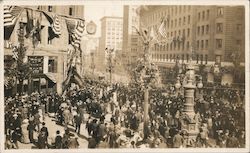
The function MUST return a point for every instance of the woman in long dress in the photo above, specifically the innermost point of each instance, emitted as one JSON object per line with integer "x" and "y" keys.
{"x": 25, "y": 132}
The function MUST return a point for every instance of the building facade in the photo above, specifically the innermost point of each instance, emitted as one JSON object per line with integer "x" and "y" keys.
{"x": 49, "y": 58}
{"x": 111, "y": 36}
{"x": 210, "y": 33}
{"x": 130, "y": 48}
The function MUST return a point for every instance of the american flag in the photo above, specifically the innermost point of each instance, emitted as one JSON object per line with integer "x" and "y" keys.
{"x": 77, "y": 34}
{"x": 162, "y": 29}
{"x": 56, "y": 25}
{"x": 10, "y": 14}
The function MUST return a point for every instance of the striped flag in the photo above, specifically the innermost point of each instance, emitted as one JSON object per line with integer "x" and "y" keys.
{"x": 154, "y": 36}
{"x": 77, "y": 34}
{"x": 10, "y": 14}
{"x": 162, "y": 28}
{"x": 56, "y": 27}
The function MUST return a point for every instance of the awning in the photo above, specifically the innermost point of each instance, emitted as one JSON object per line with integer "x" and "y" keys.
{"x": 51, "y": 76}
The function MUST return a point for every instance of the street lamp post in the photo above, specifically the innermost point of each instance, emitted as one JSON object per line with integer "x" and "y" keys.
{"x": 92, "y": 66}
{"x": 110, "y": 62}
{"x": 187, "y": 119}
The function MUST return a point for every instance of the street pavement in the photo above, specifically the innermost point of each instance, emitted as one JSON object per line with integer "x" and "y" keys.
{"x": 82, "y": 138}
{"x": 53, "y": 127}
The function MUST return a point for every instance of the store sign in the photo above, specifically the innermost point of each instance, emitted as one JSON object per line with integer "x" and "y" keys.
{"x": 36, "y": 64}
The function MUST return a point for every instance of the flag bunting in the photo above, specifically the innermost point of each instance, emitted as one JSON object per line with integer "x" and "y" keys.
{"x": 11, "y": 14}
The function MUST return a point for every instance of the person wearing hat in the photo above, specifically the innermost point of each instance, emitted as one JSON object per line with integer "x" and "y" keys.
{"x": 15, "y": 122}
{"x": 92, "y": 142}
{"x": 42, "y": 140}
{"x": 37, "y": 120}
{"x": 78, "y": 122}
{"x": 73, "y": 143}
{"x": 45, "y": 130}
{"x": 15, "y": 136}
{"x": 31, "y": 128}
{"x": 178, "y": 140}
{"x": 58, "y": 140}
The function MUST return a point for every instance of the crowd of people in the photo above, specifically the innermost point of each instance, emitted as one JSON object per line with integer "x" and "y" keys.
{"x": 219, "y": 118}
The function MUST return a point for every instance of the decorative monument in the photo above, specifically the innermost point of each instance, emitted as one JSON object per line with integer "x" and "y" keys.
{"x": 188, "y": 122}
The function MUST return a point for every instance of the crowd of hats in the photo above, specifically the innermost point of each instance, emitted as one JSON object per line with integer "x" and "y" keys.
{"x": 219, "y": 115}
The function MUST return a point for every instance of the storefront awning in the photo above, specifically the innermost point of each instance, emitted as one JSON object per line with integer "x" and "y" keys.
{"x": 51, "y": 76}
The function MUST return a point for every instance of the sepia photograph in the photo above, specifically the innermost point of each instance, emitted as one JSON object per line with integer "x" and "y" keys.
{"x": 102, "y": 76}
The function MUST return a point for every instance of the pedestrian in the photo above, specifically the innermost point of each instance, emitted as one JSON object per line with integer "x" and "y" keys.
{"x": 78, "y": 122}
{"x": 92, "y": 142}
{"x": 31, "y": 128}
{"x": 42, "y": 140}
{"x": 89, "y": 125}
{"x": 65, "y": 139}
{"x": 37, "y": 121}
{"x": 73, "y": 143}
{"x": 45, "y": 130}
{"x": 58, "y": 140}
{"x": 178, "y": 140}
{"x": 14, "y": 139}
{"x": 102, "y": 130}
{"x": 25, "y": 131}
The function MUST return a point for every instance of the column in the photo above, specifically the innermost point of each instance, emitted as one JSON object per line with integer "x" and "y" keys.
{"x": 59, "y": 76}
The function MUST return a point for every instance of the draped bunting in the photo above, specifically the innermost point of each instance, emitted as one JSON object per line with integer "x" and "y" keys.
{"x": 55, "y": 24}
{"x": 75, "y": 27}
{"x": 11, "y": 14}
{"x": 56, "y": 27}
{"x": 77, "y": 35}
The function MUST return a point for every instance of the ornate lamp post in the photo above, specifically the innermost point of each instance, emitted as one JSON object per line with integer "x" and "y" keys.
{"x": 189, "y": 84}
{"x": 147, "y": 74}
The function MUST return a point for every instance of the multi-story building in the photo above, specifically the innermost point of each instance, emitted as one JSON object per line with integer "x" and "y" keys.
{"x": 111, "y": 36}
{"x": 130, "y": 47}
{"x": 49, "y": 57}
{"x": 212, "y": 33}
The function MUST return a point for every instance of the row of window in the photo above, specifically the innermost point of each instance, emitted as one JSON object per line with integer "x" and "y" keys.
{"x": 114, "y": 38}
{"x": 172, "y": 46}
{"x": 201, "y": 29}
{"x": 51, "y": 9}
{"x": 114, "y": 30}
{"x": 202, "y": 44}
{"x": 203, "y": 15}
{"x": 182, "y": 57}
{"x": 114, "y": 23}
{"x": 183, "y": 32}
{"x": 174, "y": 10}
{"x": 179, "y": 22}
{"x": 37, "y": 63}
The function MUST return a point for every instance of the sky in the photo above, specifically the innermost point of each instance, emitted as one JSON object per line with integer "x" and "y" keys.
{"x": 96, "y": 12}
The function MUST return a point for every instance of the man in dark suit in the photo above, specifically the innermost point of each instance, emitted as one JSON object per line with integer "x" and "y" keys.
{"x": 78, "y": 122}
{"x": 92, "y": 143}
{"x": 45, "y": 130}
{"x": 58, "y": 140}
{"x": 42, "y": 140}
